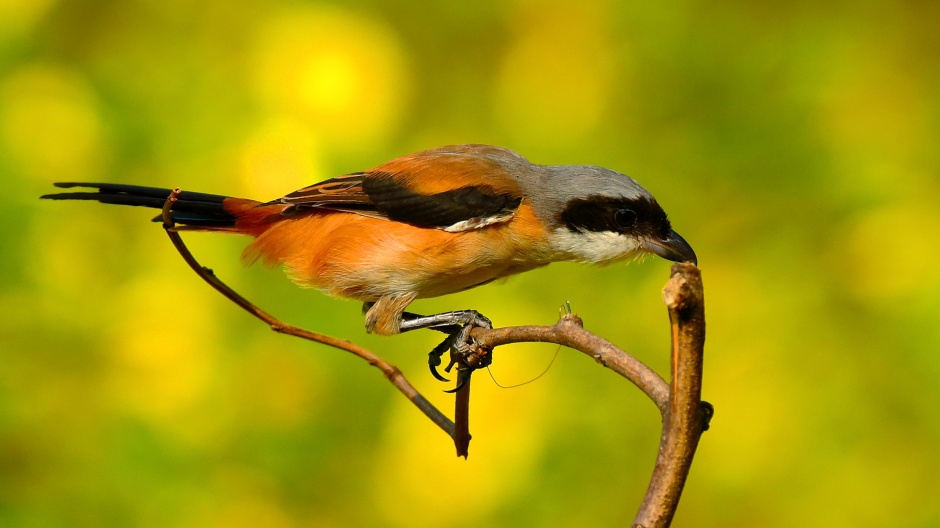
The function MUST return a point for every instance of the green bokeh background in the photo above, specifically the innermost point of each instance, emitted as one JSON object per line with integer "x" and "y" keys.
{"x": 794, "y": 144}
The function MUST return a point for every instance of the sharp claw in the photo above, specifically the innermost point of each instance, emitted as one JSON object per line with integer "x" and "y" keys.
{"x": 462, "y": 378}
{"x": 434, "y": 357}
{"x": 436, "y": 374}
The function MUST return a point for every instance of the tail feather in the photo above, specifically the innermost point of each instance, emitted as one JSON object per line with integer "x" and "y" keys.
{"x": 192, "y": 208}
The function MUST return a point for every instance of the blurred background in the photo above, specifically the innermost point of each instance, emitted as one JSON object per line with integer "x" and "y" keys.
{"x": 796, "y": 145}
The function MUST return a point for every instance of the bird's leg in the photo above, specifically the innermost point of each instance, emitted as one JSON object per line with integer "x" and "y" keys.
{"x": 445, "y": 322}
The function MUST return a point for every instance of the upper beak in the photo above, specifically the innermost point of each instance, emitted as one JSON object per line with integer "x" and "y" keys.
{"x": 673, "y": 248}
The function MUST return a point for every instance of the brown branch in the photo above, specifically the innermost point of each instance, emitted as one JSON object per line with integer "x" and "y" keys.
{"x": 391, "y": 372}
{"x": 687, "y": 416}
{"x": 462, "y": 420}
{"x": 569, "y": 331}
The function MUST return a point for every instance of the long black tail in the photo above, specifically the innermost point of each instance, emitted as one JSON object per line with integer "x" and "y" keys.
{"x": 192, "y": 208}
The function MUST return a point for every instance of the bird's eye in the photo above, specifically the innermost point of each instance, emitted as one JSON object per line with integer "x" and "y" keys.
{"x": 625, "y": 218}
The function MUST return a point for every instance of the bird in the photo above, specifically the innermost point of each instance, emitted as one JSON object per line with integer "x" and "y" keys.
{"x": 427, "y": 224}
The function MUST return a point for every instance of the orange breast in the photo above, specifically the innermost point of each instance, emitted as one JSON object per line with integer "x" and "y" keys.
{"x": 365, "y": 258}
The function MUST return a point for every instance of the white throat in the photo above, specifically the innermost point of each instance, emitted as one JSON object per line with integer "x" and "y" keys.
{"x": 591, "y": 246}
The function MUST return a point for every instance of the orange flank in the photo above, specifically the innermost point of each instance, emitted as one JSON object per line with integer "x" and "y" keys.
{"x": 364, "y": 258}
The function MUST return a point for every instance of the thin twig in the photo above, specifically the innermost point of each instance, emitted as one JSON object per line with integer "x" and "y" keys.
{"x": 569, "y": 331}
{"x": 687, "y": 416}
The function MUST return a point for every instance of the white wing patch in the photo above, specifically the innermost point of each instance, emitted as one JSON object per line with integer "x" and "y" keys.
{"x": 478, "y": 222}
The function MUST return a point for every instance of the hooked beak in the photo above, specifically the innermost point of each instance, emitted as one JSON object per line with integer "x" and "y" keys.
{"x": 673, "y": 248}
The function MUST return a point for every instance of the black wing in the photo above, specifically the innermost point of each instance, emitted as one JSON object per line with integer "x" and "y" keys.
{"x": 398, "y": 197}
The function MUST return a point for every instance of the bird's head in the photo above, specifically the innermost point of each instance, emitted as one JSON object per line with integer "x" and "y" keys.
{"x": 599, "y": 215}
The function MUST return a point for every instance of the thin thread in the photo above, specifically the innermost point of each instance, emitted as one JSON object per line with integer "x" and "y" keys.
{"x": 498, "y": 384}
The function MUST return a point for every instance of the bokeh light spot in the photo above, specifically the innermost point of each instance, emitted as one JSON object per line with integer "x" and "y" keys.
{"x": 341, "y": 72}
{"x": 329, "y": 81}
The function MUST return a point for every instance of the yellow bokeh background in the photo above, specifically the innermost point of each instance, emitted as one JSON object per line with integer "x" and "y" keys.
{"x": 795, "y": 145}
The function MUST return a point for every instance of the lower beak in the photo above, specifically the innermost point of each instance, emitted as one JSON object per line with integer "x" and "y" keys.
{"x": 673, "y": 248}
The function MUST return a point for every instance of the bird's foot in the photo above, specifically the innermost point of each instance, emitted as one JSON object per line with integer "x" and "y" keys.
{"x": 465, "y": 353}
